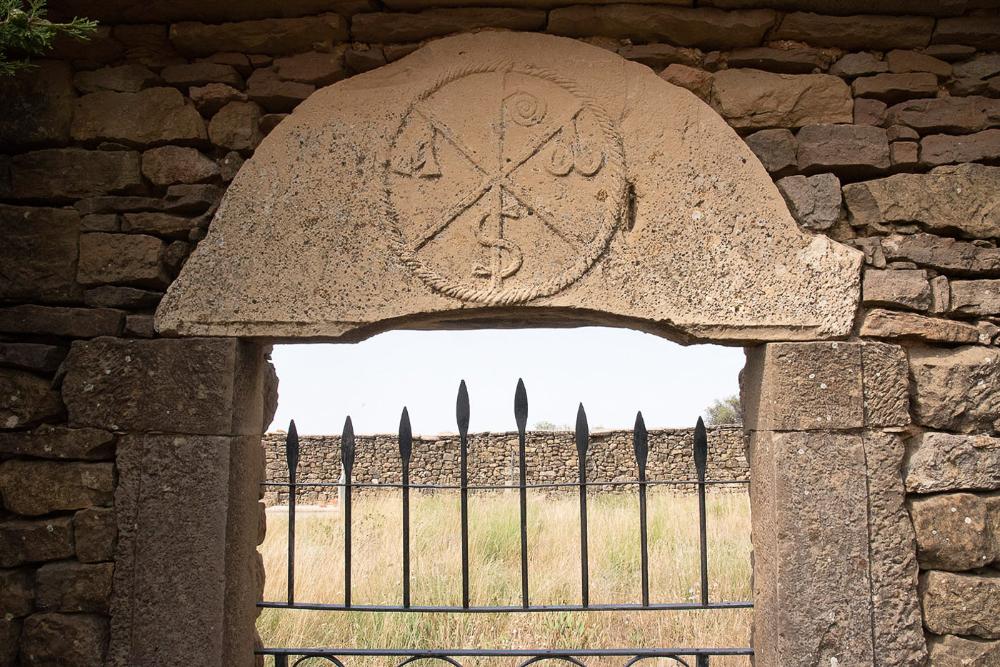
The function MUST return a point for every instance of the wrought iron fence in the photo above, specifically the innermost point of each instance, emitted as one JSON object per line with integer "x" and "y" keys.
{"x": 285, "y": 657}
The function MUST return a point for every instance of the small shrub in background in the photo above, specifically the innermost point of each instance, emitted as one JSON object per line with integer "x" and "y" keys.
{"x": 25, "y": 32}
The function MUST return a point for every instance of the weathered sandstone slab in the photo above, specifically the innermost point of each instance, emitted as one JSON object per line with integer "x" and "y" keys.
{"x": 74, "y": 639}
{"x": 60, "y": 321}
{"x": 942, "y": 253}
{"x": 707, "y": 28}
{"x": 236, "y": 126}
{"x": 982, "y": 32}
{"x": 886, "y": 386}
{"x": 36, "y": 357}
{"x": 273, "y": 36}
{"x": 952, "y": 651}
{"x": 401, "y": 229}
{"x": 35, "y": 541}
{"x": 94, "y": 534}
{"x": 938, "y": 149}
{"x": 130, "y": 78}
{"x": 846, "y": 149}
{"x": 39, "y": 253}
{"x": 963, "y": 198}
{"x": 961, "y": 604}
{"x": 975, "y": 297}
{"x": 856, "y": 32}
{"x": 17, "y": 595}
{"x": 815, "y": 201}
{"x": 125, "y": 259}
{"x": 901, "y": 288}
{"x": 947, "y": 114}
{"x": 775, "y": 148}
{"x": 880, "y": 323}
{"x": 135, "y": 11}
{"x": 26, "y": 399}
{"x": 33, "y": 488}
{"x": 149, "y": 117}
{"x": 402, "y": 27}
{"x": 59, "y": 442}
{"x": 36, "y": 105}
{"x": 950, "y": 462}
{"x": 71, "y": 173}
{"x": 955, "y": 531}
{"x": 956, "y": 389}
{"x": 74, "y": 587}
{"x": 175, "y": 164}
{"x": 752, "y": 99}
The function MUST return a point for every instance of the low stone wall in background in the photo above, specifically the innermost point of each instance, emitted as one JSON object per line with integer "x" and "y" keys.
{"x": 551, "y": 458}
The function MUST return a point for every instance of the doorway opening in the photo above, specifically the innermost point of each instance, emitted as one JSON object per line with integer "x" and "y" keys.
{"x": 618, "y": 564}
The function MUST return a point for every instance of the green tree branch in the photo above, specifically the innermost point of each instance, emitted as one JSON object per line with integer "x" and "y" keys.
{"x": 25, "y": 32}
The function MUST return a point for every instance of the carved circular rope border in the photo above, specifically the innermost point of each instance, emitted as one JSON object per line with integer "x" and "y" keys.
{"x": 616, "y": 163}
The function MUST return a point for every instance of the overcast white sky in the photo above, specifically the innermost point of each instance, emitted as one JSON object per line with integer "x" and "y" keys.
{"x": 614, "y": 372}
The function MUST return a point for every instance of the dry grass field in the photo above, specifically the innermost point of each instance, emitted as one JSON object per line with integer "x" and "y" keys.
{"x": 554, "y": 567}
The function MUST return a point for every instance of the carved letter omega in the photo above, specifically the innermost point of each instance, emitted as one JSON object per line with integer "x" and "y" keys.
{"x": 504, "y": 183}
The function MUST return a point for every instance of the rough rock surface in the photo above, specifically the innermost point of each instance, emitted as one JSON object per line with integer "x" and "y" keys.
{"x": 59, "y": 321}
{"x": 36, "y": 105}
{"x": 947, "y": 114}
{"x": 815, "y": 201}
{"x": 123, "y": 259}
{"x": 942, "y": 253}
{"x": 956, "y": 389}
{"x": 236, "y": 126}
{"x": 270, "y": 36}
{"x": 903, "y": 288}
{"x": 845, "y": 149}
{"x": 70, "y": 173}
{"x": 74, "y": 587}
{"x": 855, "y": 32}
{"x": 35, "y": 541}
{"x": 94, "y": 534}
{"x": 962, "y": 604}
{"x": 955, "y": 531}
{"x": 752, "y": 99}
{"x": 886, "y": 385}
{"x": 975, "y": 297}
{"x": 952, "y": 651}
{"x": 33, "y": 488}
{"x": 175, "y": 164}
{"x": 26, "y": 399}
{"x": 152, "y": 116}
{"x": 437, "y": 269}
{"x": 949, "y": 462}
{"x": 880, "y": 323}
{"x": 80, "y": 640}
{"x": 946, "y": 149}
{"x": 401, "y": 27}
{"x": 58, "y": 442}
{"x": 39, "y": 253}
{"x": 959, "y": 198}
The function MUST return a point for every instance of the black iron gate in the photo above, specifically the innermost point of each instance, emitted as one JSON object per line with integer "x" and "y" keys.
{"x": 295, "y": 656}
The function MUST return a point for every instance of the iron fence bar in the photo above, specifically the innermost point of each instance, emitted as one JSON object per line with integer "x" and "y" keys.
{"x": 500, "y": 609}
{"x": 347, "y": 461}
{"x": 700, "y": 464}
{"x": 292, "y": 460}
{"x": 405, "y": 451}
{"x": 640, "y": 443}
{"x": 510, "y": 487}
{"x": 500, "y": 653}
{"x": 462, "y": 416}
{"x": 582, "y": 442}
{"x": 521, "y": 417}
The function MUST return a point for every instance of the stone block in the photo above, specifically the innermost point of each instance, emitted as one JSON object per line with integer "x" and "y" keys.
{"x": 402, "y": 27}
{"x": 886, "y": 385}
{"x": 151, "y": 116}
{"x": 236, "y": 126}
{"x": 191, "y": 198}
{"x": 58, "y": 321}
{"x": 938, "y": 149}
{"x": 658, "y": 56}
{"x": 949, "y": 462}
{"x": 273, "y": 36}
{"x": 100, "y": 49}
{"x": 904, "y": 153}
{"x": 59, "y": 442}
{"x": 36, "y": 105}
{"x": 275, "y": 94}
{"x": 74, "y": 587}
{"x": 803, "y": 387}
{"x": 129, "y": 78}
{"x": 100, "y": 222}
{"x": 169, "y": 601}
{"x": 947, "y": 199}
{"x": 854, "y": 33}
{"x": 947, "y": 114}
{"x": 751, "y": 99}
{"x": 847, "y": 149}
{"x": 129, "y": 298}
{"x": 952, "y": 651}
{"x": 17, "y": 595}
{"x": 955, "y": 531}
{"x": 139, "y": 326}
{"x": 706, "y": 28}
{"x": 975, "y": 297}
{"x": 815, "y": 201}
{"x": 961, "y": 604}
{"x": 783, "y": 61}
{"x": 35, "y": 541}
{"x": 801, "y": 527}
{"x": 897, "y": 628}
{"x": 212, "y": 97}
{"x": 892, "y": 88}
{"x": 160, "y": 224}
{"x": 80, "y": 640}
{"x": 128, "y": 259}
{"x": 698, "y": 81}
{"x": 35, "y": 357}
{"x": 359, "y": 59}
{"x": 200, "y": 74}
{"x": 180, "y": 386}
{"x": 943, "y": 254}
{"x": 72, "y": 173}
{"x": 175, "y": 164}
{"x": 39, "y": 253}
{"x": 982, "y": 32}
{"x": 10, "y": 639}
{"x": 26, "y": 399}
{"x": 196, "y": 10}
{"x": 869, "y": 112}
{"x": 900, "y": 288}
{"x": 95, "y": 532}
{"x": 147, "y": 44}
{"x": 956, "y": 389}
{"x": 314, "y": 68}
{"x": 901, "y": 62}
{"x": 853, "y": 65}
{"x": 774, "y": 148}
{"x": 880, "y": 323}
{"x": 940, "y": 294}
{"x": 39, "y": 487}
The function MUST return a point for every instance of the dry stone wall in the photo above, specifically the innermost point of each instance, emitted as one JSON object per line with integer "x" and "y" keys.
{"x": 551, "y": 458}
{"x": 880, "y": 122}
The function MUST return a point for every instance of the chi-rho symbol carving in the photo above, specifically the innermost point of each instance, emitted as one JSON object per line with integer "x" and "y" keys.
{"x": 504, "y": 183}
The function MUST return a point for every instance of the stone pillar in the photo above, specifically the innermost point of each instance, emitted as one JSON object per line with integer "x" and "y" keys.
{"x": 835, "y": 572}
{"x": 189, "y": 464}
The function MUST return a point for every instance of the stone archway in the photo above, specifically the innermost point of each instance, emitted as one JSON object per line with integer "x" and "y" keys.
{"x": 517, "y": 179}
